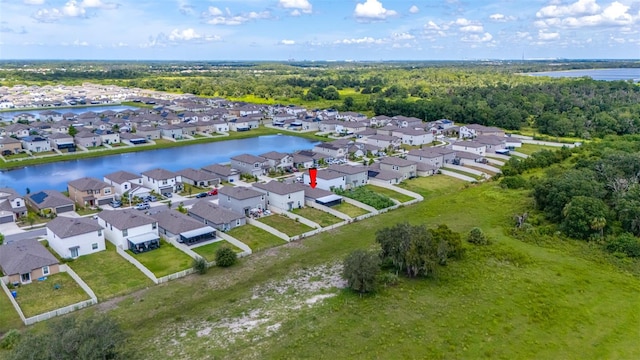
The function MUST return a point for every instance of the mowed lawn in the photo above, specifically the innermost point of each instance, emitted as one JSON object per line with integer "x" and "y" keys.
{"x": 9, "y": 318}
{"x": 318, "y": 216}
{"x": 42, "y": 296}
{"x": 285, "y": 224}
{"x": 255, "y": 238}
{"x": 349, "y": 210}
{"x": 389, "y": 193}
{"x": 209, "y": 251}
{"x": 165, "y": 260}
{"x": 109, "y": 274}
{"x": 531, "y": 148}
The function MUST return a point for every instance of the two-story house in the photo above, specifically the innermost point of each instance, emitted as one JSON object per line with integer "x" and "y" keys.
{"x": 88, "y": 191}
{"x": 87, "y": 139}
{"x": 130, "y": 229}
{"x": 405, "y": 167}
{"x": 282, "y": 196}
{"x": 124, "y": 181}
{"x": 354, "y": 175}
{"x": 36, "y": 144}
{"x": 218, "y": 217}
{"x": 73, "y": 237}
{"x": 242, "y": 200}
{"x": 62, "y": 142}
{"x": 161, "y": 181}
{"x": 327, "y": 179}
{"x": 12, "y": 206}
{"x": 249, "y": 164}
{"x": 331, "y": 151}
{"x": 9, "y": 146}
{"x": 427, "y": 156}
{"x": 224, "y": 173}
{"x": 278, "y": 160}
{"x": 470, "y": 146}
{"x": 411, "y": 136}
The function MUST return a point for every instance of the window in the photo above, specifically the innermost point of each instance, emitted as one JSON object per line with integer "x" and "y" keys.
{"x": 126, "y": 186}
{"x": 94, "y": 246}
{"x": 26, "y": 277}
{"x": 45, "y": 270}
{"x": 89, "y": 192}
{"x": 154, "y": 225}
{"x": 125, "y": 232}
{"x": 107, "y": 191}
{"x": 238, "y": 222}
{"x": 164, "y": 182}
{"x": 74, "y": 252}
{"x": 18, "y": 203}
{"x": 100, "y": 232}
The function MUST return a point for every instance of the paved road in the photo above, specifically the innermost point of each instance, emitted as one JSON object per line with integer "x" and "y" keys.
{"x": 30, "y": 234}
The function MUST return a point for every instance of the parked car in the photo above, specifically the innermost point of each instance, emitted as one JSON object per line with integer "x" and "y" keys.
{"x": 143, "y": 206}
{"x": 150, "y": 198}
{"x": 115, "y": 204}
{"x": 202, "y": 194}
{"x": 167, "y": 195}
{"x": 212, "y": 192}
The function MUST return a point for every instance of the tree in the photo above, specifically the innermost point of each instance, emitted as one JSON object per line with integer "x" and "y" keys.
{"x": 72, "y": 131}
{"x": 199, "y": 265}
{"x": 361, "y": 269}
{"x": 348, "y": 103}
{"x": 581, "y": 213}
{"x": 476, "y": 236}
{"x": 225, "y": 257}
{"x": 31, "y": 218}
{"x": 181, "y": 208}
{"x": 1, "y": 238}
{"x": 96, "y": 337}
{"x": 28, "y": 191}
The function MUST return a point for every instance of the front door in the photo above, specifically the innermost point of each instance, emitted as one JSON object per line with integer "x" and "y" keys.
{"x": 74, "y": 252}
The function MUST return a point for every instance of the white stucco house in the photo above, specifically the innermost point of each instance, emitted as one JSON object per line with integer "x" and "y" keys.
{"x": 282, "y": 196}
{"x": 130, "y": 229}
{"x": 160, "y": 180}
{"x": 74, "y": 237}
{"x": 328, "y": 179}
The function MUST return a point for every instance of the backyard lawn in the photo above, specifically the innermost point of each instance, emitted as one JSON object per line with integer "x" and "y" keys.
{"x": 209, "y": 251}
{"x": 42, "y": 296}
{"x": 9, "y": 318}
{"x": 109, "y": 274}
{"x": 255, "y": 238}
{"x": 349, "y": 210}
{"x": 285, "y": 224}
{"x": 390, "y": 193}
{"x": 318, "y": 216}
{"x": 531, "y": 148}
{"x": 431, "y": 186}
{"x": 165, "y": 260}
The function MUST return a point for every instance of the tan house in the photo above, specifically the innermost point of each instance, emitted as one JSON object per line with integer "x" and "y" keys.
{"x": 9, "y": 145}
{"x": 89, "y": 191}
{"x": 27, "y": 260}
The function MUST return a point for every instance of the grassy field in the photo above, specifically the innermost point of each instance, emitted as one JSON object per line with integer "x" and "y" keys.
{"x": 209, "y": 251}
{"x": 318, "y": 216}
{"x": 349, "y": 210}
{"x": 531, "y": 148}
{"x": 255, "y": 238}
{"x": 9, "y": 318}
{"x": 285, "y": 224}
{"x": 109, "y": 274}
{"x": 389, "y": 193}
{"x": 41, "y": 296}
{"x": 164, "y": 260}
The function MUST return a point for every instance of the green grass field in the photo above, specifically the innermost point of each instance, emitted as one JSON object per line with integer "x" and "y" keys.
{"x": 318, "y": 216}
{"x": 109, "y": 274}
{"x": 9, "y": 318}
{"x": 389, "y": 193}
{"x": 285, "y": 224}
{"x": 531, "y": 148}
{"x": 255, "y": 238}
{"x": 41, "y": 296}
{"x": 165, "y": 260}
{"x": 209, "y": 251}
{"x": 349, "y": 210}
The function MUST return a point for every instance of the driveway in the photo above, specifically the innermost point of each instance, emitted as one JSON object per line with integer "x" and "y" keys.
{"x": 10, "y": 228}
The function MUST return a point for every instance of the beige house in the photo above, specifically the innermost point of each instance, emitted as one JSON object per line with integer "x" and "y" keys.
{"x": 89, "y": 191}
{"x": 27, "y": 260}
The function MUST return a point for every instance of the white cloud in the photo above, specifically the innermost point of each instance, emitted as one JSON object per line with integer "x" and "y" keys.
{"x": 580, "y": 7}
{"x": 185, "y": 7}
{"x": 414, "y": 9}
{"x": 431, "y": 26}
{"x": 98, "y": 4}
{"x": 548, "y": 36}
{"x": 362, "y": 40}
{"x": 462, "y": 22}
{"x": 402, "y": 36}
{"x": 287, "y": 42}
{"x": 372, "y": 10}
{"x": 472, "y": 28}
{"x": 34, "y": 2}
{"x": 501, "y": 17}
{"x": 71, "y": 9}
{"x": 186, "y": 35}
{"x": 477, "y": 38}
{"x": 586, "y": 13}
{"x": 218, "y": 17}
{"x": 177, "y": 36}
{"x": 297, "y": 6}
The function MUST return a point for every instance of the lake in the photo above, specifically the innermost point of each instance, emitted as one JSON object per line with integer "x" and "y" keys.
{"x": 56, "y": 175}
{"x": 8, "y": 115}
{"x": 596, "y": 74}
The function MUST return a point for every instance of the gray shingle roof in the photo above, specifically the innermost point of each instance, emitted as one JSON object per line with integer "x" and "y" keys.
{"x": 274, "y": 155}
{"x": 392, "y": 160}
{"x": 239, "y": 192}
{"x": 88, "y": 183}
{"x": 120, "y": 177}
{"x": 327, "y": 174}
{"x": 276, "y": 187}
{"x": 176, "y": 222}
{"x": 125, "y": 219}
{"x": 219, "y": 169}
{"x": 46, "y": 199}
{"x": 213, "y": 213}
{"x": 348, "y": 169}
{"x": 196, "y": 175}
{"x": 24, "y": 256}
{"x": 248, "y": 158}
{"x": 65, "y": 227}
{"x": 159, "y": 174}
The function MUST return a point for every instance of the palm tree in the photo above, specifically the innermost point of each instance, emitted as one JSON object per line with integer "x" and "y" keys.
{"x": 598, "y": 224}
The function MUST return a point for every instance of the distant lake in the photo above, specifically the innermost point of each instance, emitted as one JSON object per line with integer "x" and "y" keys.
{"x": 595, "y": 74}
{"x": 8, "y": 115}
{"x": 56, "y": 175}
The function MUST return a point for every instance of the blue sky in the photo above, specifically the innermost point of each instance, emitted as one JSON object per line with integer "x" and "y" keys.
{"x": 318, "y": 29}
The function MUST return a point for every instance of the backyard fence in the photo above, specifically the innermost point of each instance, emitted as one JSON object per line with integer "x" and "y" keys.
{"x": 269, "y": 229}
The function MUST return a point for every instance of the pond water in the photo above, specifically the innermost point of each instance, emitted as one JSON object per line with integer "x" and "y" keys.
{"x": 56, "y": 175}
{"x": 596, "y": 74}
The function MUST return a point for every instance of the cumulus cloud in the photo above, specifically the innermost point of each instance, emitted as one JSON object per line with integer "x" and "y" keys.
{"x": 548, "y": 36}
{"x": 216, "y": 16}
{"x": 297, "y": 6}
{"x": 477, "y": 38}
{"x": 585, "y": 13}
{"x": 372, "y": 10}
{"x": 71, "y": 9}
{"x": 580, "y": 7}
{"x": 414, "y": 9}
{"x": 469, "y": 26}
{"x": 185, "y": 7}
{"x": 402, "y": 36}
{"x": 472, "y": 28}
{"x": 287, "y": 42}
{"x": 177, "y": 36}
{"x": 501, "y": 17}
{"x": 362, "y": 40}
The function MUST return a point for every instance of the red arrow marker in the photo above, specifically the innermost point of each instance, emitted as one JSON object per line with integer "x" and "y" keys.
{"x": 313, "y": 172}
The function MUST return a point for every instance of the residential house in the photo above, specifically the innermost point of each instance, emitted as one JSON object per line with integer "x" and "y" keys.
{"x": 470, "y": 146}
{"x": 320, "y": 196}
{"x": 133, "y": 139}
{"x": 148, "y": 132}
{"x": 511, "y": 144}
{"x": 351, "y": 116}
{"x": 242, "y": 200}
{"x": 377, "y": 174}
{"x": 426, "y": 156}
{"x": 354, "y": 175}
{"x": 9, "y": 145}
{"x": 220, "y": 218}
{"x": 405, "y": 167}
{"x": 161, "y": 181}
{"x": 327, "y": 179}
{"x": 176, "y": 225}
{"x": 108, "y": 136}
{"x": 189, "y": 129}
{"x": 379, "y": 120}
{"x": 12, "y": 206}
{"x": 199, "y": 178}
{"x": 282, "y": 196}
{"x": 71, "y": 237}
{"x": 170, "y": 131}
{"x": 224, "y": 173}
{"x": 331, "y": 151}
{"x": 26, "y": 260}
{"x": 124, "y": 181}
{"x": 24, "y": 117}
{"x": 88, "y": 191}
{"x": 493, "y": 143}
{"x": 17, "y": 130}
{"x": 49, "y": 202}
{"x": 36, "y": 144}
{"x": 302, "y": 161}
{"x": 130, "y": 229}
{"x": 464, "y": 157}
{"x": 425, "y": 169}
{"x": 220, "y": 126}
{"x": 62, "y": 142}
{"x": 472, "y": 130}
{"x": 384, "y": 141}
{"x": 87, "y": 139}
{"x": 205, "y": 127}
{"x": 249, "y": 164}
{"x": 328, "y": 125}
{"x": 349, "y": 128}
{"x": 411, "y": 136}
{"x": 278, "y": 160}
{"x": 448, "y": 155}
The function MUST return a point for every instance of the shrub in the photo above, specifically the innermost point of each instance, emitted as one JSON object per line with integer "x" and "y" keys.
{"x": 199, "y": 265}
{"x": 514, "y": 182}
{"x": 625, "y": 243}
{"x": 361, "y": 269}
{"x": 10, "y": 340}
{"x": 226, "y": 257}
{"x": 477, "y": 237}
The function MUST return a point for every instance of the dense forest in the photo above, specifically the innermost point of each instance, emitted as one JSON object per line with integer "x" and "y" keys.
{"x": 488, "y": 93}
